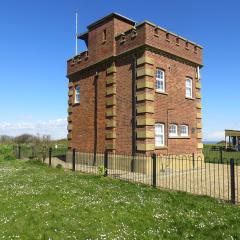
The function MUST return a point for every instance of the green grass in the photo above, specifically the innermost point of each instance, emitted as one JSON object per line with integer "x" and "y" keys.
{"x": 38, "y": 202}
{"x": 215, "y": 157}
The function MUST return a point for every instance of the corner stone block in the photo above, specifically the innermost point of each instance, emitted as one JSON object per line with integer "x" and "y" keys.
{"x": 199, "y": 105}
{"x": 200, "y": 146}
{"x": 145, "y": 109}
{"x": 199, "y": 115}
{"x": 69, "y": 128}
{"x": 145, "y": 96}
{"x": 198, "y": 85}
{"x": 145, "y": 134}
{"x": 199, "y": 125}
{"x": 143, "y": 121}
{"x": 199, "y": 135}
{"x": 145, "y": 60}
{"x": 145, "y": 72}
{"x": 110, "y": 112}
{"x": 198, "y": 95}
{"x": 70, "y": 92}
{"x": 111, "y": 90}
{"x": 110, "y": 123}
{"x": 110, "y": 134}
{"x": 70, "y": 110}
{"x": 145, "y": 147}
{"x": 110, "y": 80}
{"x": 111, "y": 101}
{"x": 111, "y": 70}
{"x": 145, "y": 84}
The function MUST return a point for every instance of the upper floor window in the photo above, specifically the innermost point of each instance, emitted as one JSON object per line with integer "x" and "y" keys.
{"x": 159, "y": 134}
{"x": 184, "y": 130}
{"x": 189, "y": 88}
{"x": 104, "y": 35}
{"x": 77, "y": 94}
{"x": 160, "y": 80}
{"x": 167, "y": 36}
{"x": 173, "y": 130}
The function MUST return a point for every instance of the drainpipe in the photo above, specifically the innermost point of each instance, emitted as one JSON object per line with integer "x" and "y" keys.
{"x": 134, "y": 76}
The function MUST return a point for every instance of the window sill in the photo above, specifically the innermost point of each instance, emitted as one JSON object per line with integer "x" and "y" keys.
{"x": 179, "y": 137}
{"x": 159, "y": 148}
{"x": 160, "y": 92}
{"x": 156, "y": 35}
{"x": 189, "y": 98}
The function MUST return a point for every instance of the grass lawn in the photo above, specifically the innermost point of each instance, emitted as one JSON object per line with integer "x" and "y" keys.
{"x": 38, "y": 202}
{"x": 215, "y": 156}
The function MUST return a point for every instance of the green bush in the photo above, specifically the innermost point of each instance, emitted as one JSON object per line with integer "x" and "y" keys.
{"x": 6, "y": 153}
{"x": 101, "y": 170}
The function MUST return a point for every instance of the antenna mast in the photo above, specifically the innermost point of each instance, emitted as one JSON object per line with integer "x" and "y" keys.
{"x": 76, "y": 50}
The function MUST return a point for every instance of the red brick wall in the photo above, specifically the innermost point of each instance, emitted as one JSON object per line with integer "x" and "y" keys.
{"x": 83, "y": 113}
{"x": 176, "y": 71}
{"x": 184, "y": 110}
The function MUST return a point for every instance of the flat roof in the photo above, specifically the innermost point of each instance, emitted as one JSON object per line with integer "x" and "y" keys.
{"x": 232, "y": 133}
{"x": 111, "y": 15}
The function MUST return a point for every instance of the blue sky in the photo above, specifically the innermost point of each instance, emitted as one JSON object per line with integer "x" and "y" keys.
{"x": 37, "y": 37}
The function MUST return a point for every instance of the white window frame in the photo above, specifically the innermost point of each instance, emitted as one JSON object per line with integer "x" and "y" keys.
{"x": 187, "y": 130}
{"x": 189, "y": 87}
{"x": 173, "y": 130}
{"x": 77, "y": 96}
{"x": 160, "y": 80}
{"x": 159, "y": 135}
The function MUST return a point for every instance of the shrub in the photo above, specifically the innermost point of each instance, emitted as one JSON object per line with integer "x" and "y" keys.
{"x": 101, "y": 170}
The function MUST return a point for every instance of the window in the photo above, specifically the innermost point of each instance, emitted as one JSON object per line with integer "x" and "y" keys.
{"x": 77, "y": 94}
{"x": 160, "y": 80}
{"x": 159, "y": 135}
{"x": 183, "y": 130}
{"x": 189, "y": 88}
{"x": 156, "y": 31}
{"x": 167, "y": 36}
{"x": 173, "y": 130}
{"x": 177, "y": 41}
{"x": 104, "y": 35}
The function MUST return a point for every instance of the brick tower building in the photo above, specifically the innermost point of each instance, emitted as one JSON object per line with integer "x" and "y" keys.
{"x": 135, "y": 89}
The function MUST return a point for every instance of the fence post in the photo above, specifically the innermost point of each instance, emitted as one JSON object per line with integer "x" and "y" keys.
{"x": 50, "y": 156}
{"x": 154, "y": 170}
{"x": 193, "y": 160}
{"x": 73, "y": 159}
{"x": 19, "y": 152}
{"x": 105, "y": 163}
{"x": 221, "y": 155}
{"x": 232, "y": 175}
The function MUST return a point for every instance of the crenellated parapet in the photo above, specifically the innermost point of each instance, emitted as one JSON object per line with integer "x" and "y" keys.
{"x": 151, "y": 35}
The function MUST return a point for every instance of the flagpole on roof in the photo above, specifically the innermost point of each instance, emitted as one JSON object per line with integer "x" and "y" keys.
{"x": 76, "y": 49}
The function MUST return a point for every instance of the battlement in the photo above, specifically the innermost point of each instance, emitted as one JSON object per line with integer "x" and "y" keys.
{"x": 113, "y": 35}
{"x": 149, "y": 34}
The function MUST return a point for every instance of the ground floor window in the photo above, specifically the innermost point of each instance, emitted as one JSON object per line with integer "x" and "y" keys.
{"x": 173, "y": 130}
{"x": 183, "y": 130}
{"x": 159, "y": 134}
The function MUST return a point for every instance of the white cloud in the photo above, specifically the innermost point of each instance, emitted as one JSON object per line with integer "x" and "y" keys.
{"x": 214, "y": 136}
{"x": 57, "y": 128}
